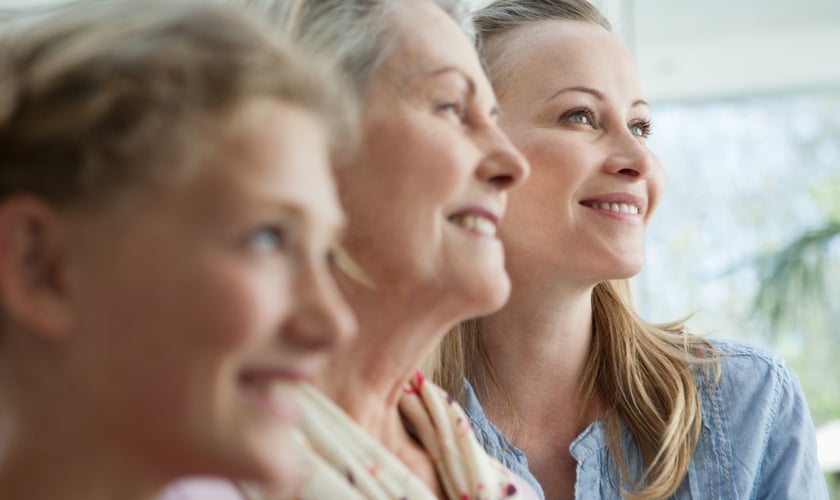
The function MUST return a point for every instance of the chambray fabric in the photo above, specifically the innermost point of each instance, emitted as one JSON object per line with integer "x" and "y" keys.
{"x": 757, "y": 440}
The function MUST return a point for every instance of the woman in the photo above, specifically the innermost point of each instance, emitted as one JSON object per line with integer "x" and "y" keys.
{"x": 605, "y": 404}
{"x": 423, "y": 198}
{"x": 166, "y": 217}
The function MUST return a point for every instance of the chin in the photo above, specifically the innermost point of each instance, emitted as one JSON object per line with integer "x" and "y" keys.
{"x": 261, "y": 455}
{"x": 626, "y": 266}
{"x": 624, "y": 274}
{"x": 490, "y": 294}
{"x": 282, "y": 471}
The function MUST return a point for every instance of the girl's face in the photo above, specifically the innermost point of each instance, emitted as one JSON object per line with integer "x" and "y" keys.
{"x": 203, "y": 308}
{"x": 431, "y": 185}
{"x": 572, "y": 102}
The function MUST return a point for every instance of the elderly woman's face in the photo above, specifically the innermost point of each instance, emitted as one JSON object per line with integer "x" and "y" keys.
{"x": 424, "y": 199}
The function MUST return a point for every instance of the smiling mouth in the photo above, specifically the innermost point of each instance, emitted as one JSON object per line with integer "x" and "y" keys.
{"x": 275, "y": 395}
{"x": 475, "y": 224}
{"x": 621, "y": 208}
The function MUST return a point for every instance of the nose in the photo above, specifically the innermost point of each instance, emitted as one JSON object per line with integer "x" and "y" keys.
{"x": 323, "y": 318}
{"x": 630, "y": 157}
{"x": 503, "y": 166}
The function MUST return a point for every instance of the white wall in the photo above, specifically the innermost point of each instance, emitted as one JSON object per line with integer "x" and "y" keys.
{"x": 720, "y": 48}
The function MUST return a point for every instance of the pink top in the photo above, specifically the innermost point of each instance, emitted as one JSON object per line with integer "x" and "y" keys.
{"x": 202, "y": 488}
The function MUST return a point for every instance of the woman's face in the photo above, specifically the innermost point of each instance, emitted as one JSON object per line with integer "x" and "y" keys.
{"x": 572, "y": 102}
{"x": 425, "y": 197}
{"x": 202, "y": 309}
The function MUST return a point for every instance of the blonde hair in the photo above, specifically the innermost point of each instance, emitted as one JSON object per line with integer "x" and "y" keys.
{"x": 646, "y": 374}
{"x": 97, "y": 97}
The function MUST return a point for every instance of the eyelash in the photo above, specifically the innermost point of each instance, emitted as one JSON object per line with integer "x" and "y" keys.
{"x": 645, "y": 125}
{"x": 279, "y": 242}
{"x": 568, "y": 115}
{"x": 457, "y": 107}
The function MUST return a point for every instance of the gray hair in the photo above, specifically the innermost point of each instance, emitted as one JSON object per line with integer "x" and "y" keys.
{"x": 357, "y": 34}
{"x": 503, "y": 16}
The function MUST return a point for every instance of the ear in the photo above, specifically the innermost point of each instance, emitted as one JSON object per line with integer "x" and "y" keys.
{"x": 31, "y": 289}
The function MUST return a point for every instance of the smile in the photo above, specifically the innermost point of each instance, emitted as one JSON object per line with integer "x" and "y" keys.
{"x": 475, "y": 223}
{"x": 274, "y": 394}
{"x": 622, "y": 208}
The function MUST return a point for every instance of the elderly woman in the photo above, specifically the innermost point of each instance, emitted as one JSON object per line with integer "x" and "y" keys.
{"x": 423, "y": 198}
{"x": 167, "y": 211}
{"x": 605, "y": 404}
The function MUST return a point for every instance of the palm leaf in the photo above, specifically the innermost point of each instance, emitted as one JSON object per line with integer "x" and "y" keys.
{"x": 795, "y": 276}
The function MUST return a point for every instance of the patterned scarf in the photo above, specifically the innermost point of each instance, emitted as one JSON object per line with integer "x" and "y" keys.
{"x": 343, "y": 461}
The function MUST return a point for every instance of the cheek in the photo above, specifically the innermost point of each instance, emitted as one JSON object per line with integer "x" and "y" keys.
{"x": 554, "y": 158}
{"x": 656, "y": 187}
{"x": 235, "y": 310}
{"x": 253, "y": 308}
{"x": 398, "y": 192}
{"x": 420, "y": 154}
{"x": 551, "y": 187}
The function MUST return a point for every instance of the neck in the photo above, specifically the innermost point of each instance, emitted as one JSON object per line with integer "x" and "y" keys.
{"x": 395, "y": 336}
{"x": 540, "y": 341}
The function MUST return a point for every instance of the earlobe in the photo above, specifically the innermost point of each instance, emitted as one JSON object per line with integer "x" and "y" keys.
{"x": 31, "y": 289}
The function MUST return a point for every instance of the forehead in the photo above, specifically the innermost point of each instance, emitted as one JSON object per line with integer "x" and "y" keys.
{"x": 280, "y": 153}
{"x": 569, "y": 53}
{"x": 427, "y": 38}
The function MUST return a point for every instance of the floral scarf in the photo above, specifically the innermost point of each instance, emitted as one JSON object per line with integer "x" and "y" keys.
{"x": 343, "y": 461}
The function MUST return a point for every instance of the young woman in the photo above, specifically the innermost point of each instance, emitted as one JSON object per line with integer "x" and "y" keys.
{"x": 604, "y": 404}
{"x": 166, "y": 214}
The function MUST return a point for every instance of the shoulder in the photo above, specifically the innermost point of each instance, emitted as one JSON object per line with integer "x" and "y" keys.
{"x": 752, "y": 381}
{"x": 743, "y": 352}
{"x": 752, "y": 387}
{"x": 756, "y": 416}
{"x": 750, "y": 370}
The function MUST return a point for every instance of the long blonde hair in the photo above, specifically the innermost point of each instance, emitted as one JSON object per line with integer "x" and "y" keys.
{"x": 645, "y": 374}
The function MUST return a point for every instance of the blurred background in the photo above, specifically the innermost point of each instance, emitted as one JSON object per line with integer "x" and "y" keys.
{"x": 745, "y": 99}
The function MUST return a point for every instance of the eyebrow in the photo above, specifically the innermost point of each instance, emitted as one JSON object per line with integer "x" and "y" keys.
{"x": 589, "y": 90}
{"x": 298, "y": 209}
{"x": 335, "y": 222}
{"x": 471, "y": 87}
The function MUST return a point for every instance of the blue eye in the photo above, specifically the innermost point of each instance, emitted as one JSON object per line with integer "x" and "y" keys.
{"x": 454, "y": 109}
{"x": 269, "y": 239}
{"x": 640, "y": 129}
{"x": 578, "y": 116}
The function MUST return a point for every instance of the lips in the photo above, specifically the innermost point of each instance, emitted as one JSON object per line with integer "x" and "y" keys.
{"x": 273, "y": 390}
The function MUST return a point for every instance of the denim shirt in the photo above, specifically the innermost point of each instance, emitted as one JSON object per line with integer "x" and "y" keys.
{"x": 757, "y": 438}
